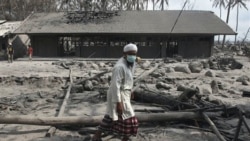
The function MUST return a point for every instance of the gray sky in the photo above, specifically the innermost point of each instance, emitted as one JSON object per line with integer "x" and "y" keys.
{"x": 244, "y": 15}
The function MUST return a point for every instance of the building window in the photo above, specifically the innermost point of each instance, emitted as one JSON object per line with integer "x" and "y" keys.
{"x": 143, "y": 44}
{"x": 91, "y": 43}
{"x": 172, "y": 48}
{"x": 123, "y": 43}
{"x": 86, "y": 43}
{"x": 112, "y": 43}
{"x": 68, "y": 45}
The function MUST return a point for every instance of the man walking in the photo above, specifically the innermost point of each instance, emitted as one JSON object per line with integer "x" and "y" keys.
{"x": 10, "y": 53}
{"x": 120, "y": 117}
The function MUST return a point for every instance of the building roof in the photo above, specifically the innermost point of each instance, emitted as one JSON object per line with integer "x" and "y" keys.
{"x": 8, "y": 27}
{"x": 150, "y": 22}
{"x": 2, "y": 21}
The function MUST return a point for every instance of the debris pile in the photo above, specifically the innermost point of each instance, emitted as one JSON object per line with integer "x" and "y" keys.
{"x": 207, "y": 96}
{"x": 193, "y": 92}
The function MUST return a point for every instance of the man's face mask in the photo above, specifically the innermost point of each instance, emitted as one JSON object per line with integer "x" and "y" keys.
{"x": 131, "y": 58}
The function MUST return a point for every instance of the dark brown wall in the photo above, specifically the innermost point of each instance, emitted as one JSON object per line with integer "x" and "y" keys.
{"x": 153, "y": 51}
{"x": 3, "y": 43}
{"x": 93, "y": 51}
{"x": 45, "y": 46}
{"x": 188, "y": 46}
{"x": 195, "y": 47}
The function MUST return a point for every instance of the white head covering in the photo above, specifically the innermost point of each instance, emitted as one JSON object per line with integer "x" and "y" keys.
{"x": 130, "y": 47}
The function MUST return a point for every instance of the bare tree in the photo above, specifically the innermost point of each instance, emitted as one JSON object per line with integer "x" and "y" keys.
{"x": 221, "y": 4}
{"x": 153, "y": 2}
{"x": 137, "y": 4}
{"x": 229, "y": 6}
{"x": 146, "y": 1}
{"x": 121, "y": 4}
{"x": 163, "y": 2}
{"x": 239, "y": 4}
{"x": 244, "y": 39}
{"x": 6, "y": 7}
{"x": 189, "y": 5}
{"x": 20, "y": 9}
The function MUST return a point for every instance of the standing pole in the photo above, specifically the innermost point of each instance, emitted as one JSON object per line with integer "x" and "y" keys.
{"x": 178, "y": 16}
{"x": 171, "y": 31}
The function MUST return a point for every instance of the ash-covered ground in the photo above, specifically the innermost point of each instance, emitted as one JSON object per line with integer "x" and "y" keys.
{"x": 37, "y": 88}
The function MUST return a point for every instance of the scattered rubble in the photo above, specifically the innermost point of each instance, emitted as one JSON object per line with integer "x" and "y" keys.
{"x": 215, "y": 86}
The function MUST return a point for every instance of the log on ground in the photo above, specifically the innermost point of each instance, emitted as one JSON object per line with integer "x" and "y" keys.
{"x": 154, "y": 96}
{"x": 95, "y": 120}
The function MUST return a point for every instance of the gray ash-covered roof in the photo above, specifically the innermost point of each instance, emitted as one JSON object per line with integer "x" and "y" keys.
{"x": 151, "y": 22}
{"x": 8, "y": 27}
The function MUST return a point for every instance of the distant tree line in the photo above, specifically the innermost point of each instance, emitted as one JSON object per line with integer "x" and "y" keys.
{"x": 229, "y": 5}
{"x": 20, "y": 9}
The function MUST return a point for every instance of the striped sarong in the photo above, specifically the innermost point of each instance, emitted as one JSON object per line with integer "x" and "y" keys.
{"x": 121, "y": 127}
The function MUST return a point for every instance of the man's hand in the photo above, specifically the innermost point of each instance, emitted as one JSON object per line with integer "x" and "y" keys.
{"x": 119, "y": 108}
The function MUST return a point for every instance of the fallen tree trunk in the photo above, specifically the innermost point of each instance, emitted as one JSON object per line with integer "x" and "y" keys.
{"x": 52, "y": 130}
{"x": 95, "y": 120}
{"x": 91, "y": 78}
{"x": 154, "y": 96}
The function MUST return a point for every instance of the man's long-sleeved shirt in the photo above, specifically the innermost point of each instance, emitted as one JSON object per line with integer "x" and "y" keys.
{"x": 120, "y": 90}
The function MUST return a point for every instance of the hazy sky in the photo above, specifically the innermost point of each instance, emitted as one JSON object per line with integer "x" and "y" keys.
{"x": 244, "y": 15}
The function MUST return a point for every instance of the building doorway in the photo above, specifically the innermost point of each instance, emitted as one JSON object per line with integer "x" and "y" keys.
{"x": 172, "y": 48}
